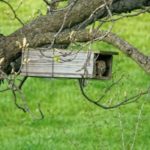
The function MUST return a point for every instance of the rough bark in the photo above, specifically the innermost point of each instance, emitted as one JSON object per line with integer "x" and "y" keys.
{"x": 42, "y": 30}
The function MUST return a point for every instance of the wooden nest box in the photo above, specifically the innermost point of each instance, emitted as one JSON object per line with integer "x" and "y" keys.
{"x": 67, "y": 64}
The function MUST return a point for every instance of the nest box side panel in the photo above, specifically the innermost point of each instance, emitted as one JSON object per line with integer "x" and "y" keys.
{"x": 73, "y": 65}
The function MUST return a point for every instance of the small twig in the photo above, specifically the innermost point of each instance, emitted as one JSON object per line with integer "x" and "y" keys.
{"x": 14, "y": 12}
{"x": 22, "y": 82}
{"x": 20, "y": 3}
{"x": 60, "y": 29}
{"x": 124, "y": 102}
{"x": 83, "y": 24}
{"x": 4, "y": 90}
{"x": 41, "y": 113}
{"x": 122, "y": 131}
{"x": 126, "y": 16}
{"x": 109, "y": 88}
{"x": 47, "y": 2}
{"x": 14, "y": 88}
{"x": 137, "y": 126}
{"x": 15, "y": 101}
{"x": 53, "y": 1}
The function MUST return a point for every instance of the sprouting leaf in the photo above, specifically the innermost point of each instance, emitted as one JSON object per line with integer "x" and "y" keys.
{"x": 1, "y": 60}
{"x": 18, "y": 44}
{"x": 57, "y": 58}
{"x": 72, "y": 34}
{"x": 24, "y": 43}
{"x": 25, "y": 61}
{"x": 91, "y": 30}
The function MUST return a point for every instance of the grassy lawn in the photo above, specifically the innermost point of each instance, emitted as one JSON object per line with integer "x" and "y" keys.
{"x": 72, "y": 123}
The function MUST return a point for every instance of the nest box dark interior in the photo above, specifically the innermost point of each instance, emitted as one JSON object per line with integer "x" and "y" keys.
{"x": 107, "y": 58}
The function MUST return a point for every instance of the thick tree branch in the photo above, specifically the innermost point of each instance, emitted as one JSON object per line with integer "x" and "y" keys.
{"x": 77, "y": 36}
{"x": 43, "y": 30}
{"x": 120, "y": 6}
{"x": 81, "y": 11}
{"x": 142, "y": 60}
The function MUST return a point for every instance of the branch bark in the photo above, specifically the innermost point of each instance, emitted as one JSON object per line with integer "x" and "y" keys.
{"x": 42, "y": 30}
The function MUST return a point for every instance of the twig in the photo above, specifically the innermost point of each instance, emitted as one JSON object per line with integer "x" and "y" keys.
{"x": 15, "y": 101}
{"x": 60, "y": 29}
{"x": 14, "y": 12}
{"x": 137, "y": 126}
{"x": 122, "y": 131}
{"x": 126, "y": 16}
{"x": 83, "y": 24}
{"x": 22, "y": 82}
{"x": 110, "y": 87}
{"x": 41, "y": 113}
{"x": 124, "y": 102}
{"x": 14, "y": 88}
{"x": 4, "y": 90}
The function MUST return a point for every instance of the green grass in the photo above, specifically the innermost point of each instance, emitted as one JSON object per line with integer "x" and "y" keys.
{"x": 71, "y": 122}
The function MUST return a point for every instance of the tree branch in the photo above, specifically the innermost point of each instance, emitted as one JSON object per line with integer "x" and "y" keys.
{"x": 44, "y": 29}
{"x": 123, "y": 102}
{"x": 75, "y": 36}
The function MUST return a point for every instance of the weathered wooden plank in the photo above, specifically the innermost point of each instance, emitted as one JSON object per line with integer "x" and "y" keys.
{"x": 59, "y": 65}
